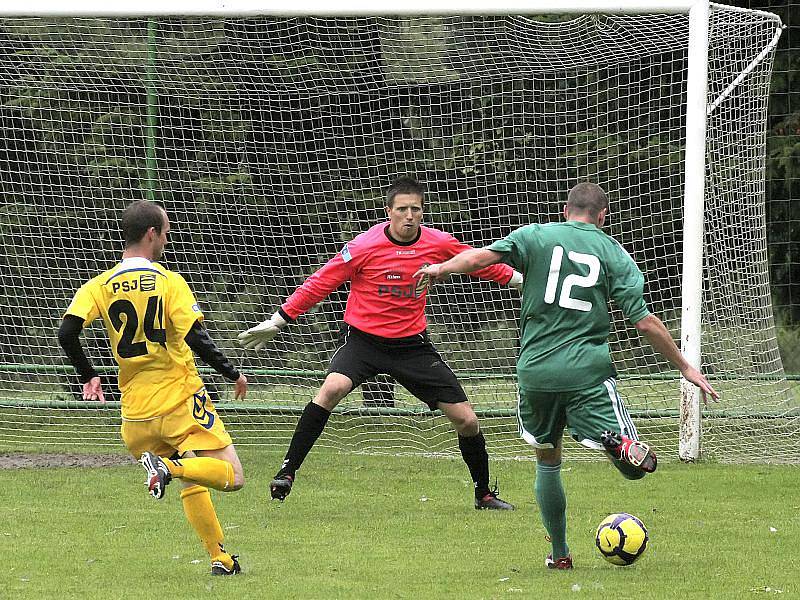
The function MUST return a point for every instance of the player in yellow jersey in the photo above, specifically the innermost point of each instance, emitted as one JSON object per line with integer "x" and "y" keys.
{"x": 168, "y": 420}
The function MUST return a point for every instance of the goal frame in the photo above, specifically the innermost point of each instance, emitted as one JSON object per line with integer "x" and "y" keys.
{"x": 697, "y": 108}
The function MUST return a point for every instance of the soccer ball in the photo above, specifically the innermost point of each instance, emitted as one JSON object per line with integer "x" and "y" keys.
{"x": 621, "y": 539}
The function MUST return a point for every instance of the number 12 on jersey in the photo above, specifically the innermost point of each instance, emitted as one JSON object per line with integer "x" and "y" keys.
{"x": 570, "y": 281}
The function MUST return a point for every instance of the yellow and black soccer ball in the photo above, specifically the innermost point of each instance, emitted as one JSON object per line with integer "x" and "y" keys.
{"x": 621, "y": 539}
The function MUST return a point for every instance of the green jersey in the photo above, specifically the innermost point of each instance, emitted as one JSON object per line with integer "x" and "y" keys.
{"x": 571, "y": 271}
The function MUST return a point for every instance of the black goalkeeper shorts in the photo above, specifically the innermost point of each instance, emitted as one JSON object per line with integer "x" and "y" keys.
{"x": 412, "y": 361}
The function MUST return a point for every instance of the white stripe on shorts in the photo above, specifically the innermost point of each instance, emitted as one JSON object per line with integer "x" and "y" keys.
{"x": 344, "y": 343}
{"x": 626, "y": 426}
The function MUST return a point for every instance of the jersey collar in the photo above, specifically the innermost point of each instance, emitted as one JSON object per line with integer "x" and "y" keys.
{"x": 582, "y": 225}
{"x": 135, "y": 262}
{"x": 398, "y": 242}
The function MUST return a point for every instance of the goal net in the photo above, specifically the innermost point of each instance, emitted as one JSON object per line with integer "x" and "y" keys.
{"x": 271, "y": 142}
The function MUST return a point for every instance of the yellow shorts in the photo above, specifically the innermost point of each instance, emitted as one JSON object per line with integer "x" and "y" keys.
{"x": 193, "y": 425}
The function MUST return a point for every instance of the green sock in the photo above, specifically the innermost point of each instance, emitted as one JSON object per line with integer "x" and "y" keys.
{"x": 552, "y": 506}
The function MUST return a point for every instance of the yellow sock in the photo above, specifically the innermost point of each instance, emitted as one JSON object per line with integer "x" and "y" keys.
{"x": 175, "y": 468}
{"x": 203, "y": 518}
{"x": 202, "y": 470}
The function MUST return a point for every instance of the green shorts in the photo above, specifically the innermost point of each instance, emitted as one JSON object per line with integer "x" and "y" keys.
{"x": 542, "y": 416}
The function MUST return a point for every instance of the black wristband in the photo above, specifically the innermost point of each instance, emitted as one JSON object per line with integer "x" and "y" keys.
{"x": 285, "y": 317}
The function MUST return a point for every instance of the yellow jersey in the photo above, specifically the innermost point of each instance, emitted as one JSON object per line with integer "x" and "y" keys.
{"x": 147, "y": 310}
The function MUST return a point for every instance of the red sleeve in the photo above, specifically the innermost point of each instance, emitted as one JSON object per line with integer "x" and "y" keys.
{"x": 317, "y": 287}
{"x": 500, "y": 272}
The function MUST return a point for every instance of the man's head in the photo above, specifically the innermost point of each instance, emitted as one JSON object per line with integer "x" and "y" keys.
{"x": 587, "y": 202}
{"x": 404, "y": 202}
{"x": 406, "y": 186}
{"x": 144, "y": 227}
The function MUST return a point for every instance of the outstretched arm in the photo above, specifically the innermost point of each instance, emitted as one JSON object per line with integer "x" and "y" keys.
{"x": 313, "y": 290}
{"x": 256, "y": 338}
{"x": 656, "y": 333}
{"x": 69, "y": 339}
{"x": 494, "y": 271}
{"x": 465, "y": 262}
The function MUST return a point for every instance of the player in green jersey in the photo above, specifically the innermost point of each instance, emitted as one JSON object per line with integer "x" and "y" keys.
{"x": 566, "y": 379}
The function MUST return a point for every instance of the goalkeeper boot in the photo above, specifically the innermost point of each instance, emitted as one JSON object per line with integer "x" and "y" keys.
{"x": 633, "y": 452}
{"x": 158, "y": 475}
{"x": 559, "y": 563}
{"x": 489, "y": 500}
{"x": 281, "y": 486}
{"x": 219, "y": 568}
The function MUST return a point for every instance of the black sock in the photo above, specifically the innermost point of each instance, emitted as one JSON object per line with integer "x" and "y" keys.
{"x": 308, "y": 429}
{"x": 473, "y": 451}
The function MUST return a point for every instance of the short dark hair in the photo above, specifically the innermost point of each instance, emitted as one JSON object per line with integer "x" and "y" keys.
{"x": 138, "y": 218}
{"x": 587, "y": 198}
{"x": 404, "y": 185}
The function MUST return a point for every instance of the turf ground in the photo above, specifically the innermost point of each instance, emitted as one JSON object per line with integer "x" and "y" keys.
{"x": 399, "y": 527}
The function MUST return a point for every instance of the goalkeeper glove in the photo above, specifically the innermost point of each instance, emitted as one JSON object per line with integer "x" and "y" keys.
{"x": 516, "y": 281}
{"x": 256, "y": 338}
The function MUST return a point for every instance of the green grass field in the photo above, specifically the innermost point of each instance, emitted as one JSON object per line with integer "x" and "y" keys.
{"x": 387, "y": 527}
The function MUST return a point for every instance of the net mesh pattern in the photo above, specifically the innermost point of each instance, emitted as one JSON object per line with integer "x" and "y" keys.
{"x": 271, "y": 142}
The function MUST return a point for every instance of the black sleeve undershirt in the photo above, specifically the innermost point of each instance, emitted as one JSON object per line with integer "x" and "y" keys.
{"x": 69, "y": 338}
{"x": 201, "y": 344}
{"x": 198, "y": 340}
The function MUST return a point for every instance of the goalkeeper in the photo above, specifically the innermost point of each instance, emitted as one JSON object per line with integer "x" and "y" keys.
{"x": 385, "y": 332}
{"x": 168, "y": 421}
{"x": 564, "y": 368}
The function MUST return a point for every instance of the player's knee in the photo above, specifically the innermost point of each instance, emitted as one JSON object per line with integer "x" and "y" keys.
{"x": 550, "y": 457}
{"x": 467, "y": 425}
{"x": 331, "y": 393}
{"x": 238, "y": 483}
{"x": 326, "y": 401}
{"x": 238, "y": 480}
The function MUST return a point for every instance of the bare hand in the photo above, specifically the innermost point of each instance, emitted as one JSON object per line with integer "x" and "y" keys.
{"x": 92, "y": 390}
{"x": 696, "y": 377}
{"x": 240, "y": 387}
{"x": 432, "y": 271}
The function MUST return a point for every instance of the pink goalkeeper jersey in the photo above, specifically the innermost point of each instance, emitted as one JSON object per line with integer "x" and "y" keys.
{"x": 385, "y": 300}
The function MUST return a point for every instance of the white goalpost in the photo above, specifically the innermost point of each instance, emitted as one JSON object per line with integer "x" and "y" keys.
{"x": 694, "y": 205}
{"x": 348, "y": 8}
{"x": 270, "y": 132}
